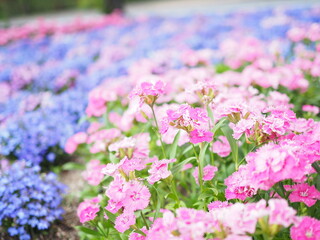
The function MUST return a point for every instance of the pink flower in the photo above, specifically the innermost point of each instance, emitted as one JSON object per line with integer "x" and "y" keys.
{"x": 304, "y": 193}
{"x": 93, "y": 175}
{"x": 88, "y": 209}
{"x": 217, "y": 204}
{"x": 73, "y": 142}
{"x": 280, "y": 213}
{"x": 312, "y": 109}
{"x": 98, "y": 98}
{"x": 296, "y": 34}
{"x": 187, "y": 166}
{"x": 200, "y": 135}
{"x": 137, "y": 196}
{"x": 138, "y": 236}
{"x": 159, "y": 170}
{"x": 307, "y": 229}
{"x": 221, "y": 147}
{"x": 148, "y": 92}
{"x": 185, "y": 118}
{"x": 239, "y": 185}
{"x": 208, "y": 173}
{"x": 124, "y": 221}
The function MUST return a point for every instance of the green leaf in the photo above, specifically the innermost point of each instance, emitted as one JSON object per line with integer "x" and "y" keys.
{"x": 112, "y": 158}
{"x": 210, "y": 114}
{"x": 158, "y": 205}
{"x": 176, "y": 168}
{"x": 189, "y": 148}
{"x": 89, "y": 231}
{"x": 218, "y": 125}
{"x": 73, "y": 166}
{"x": 173, "y": 149}
{"x": 227, "y": 131}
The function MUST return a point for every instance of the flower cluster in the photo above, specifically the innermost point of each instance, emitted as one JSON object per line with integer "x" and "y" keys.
{"x": 28, "y": 200}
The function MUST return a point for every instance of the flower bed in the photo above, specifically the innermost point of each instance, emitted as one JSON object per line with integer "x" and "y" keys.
{"x": 209, "y": 132}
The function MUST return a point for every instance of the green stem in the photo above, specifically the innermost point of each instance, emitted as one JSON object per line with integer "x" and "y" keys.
{"x": 200, "y": 168}
{"x": 144, "y": 220}
{"x": 159, "y": 135}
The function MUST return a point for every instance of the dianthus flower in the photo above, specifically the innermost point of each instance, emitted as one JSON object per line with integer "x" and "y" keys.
{"x": 159, "y": 170}
{"x": 208, "y": 173}
{"x": 200, "y": 135}
{"x": 307, "y": 229}
{"x": 124, "y": 221}
{"x": 221, "y": 147}
{"x": 88, "y": 209}
{"x": 148, "y": 92}
{"x": 93, "y": 174}
{"x": 74, "y": 141}
{"x": 304, "y": 193}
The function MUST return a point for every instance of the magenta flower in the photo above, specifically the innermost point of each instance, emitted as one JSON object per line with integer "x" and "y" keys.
{"x": 307, "y": 229}
{"x": 200, "y": 135}
{"x": 304, "y": 193}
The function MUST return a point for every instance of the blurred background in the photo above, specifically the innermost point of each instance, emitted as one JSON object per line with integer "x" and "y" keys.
{"x": 12, "y": 10}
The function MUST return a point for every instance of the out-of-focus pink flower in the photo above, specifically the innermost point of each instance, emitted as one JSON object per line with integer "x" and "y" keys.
{"x": 217, "y": 204}
{"x": 221, "y": 147}
{"x": 307, "y": 229}
{"x": 73, "y": 142}
{"x": 312, "y": 109}
{"x": 208, "y": 173}
{"x": 93, "y": 174}
{"x": 88, "y": 209}
{"x": 138, "y": 236}
{"x": 296, "y": 34}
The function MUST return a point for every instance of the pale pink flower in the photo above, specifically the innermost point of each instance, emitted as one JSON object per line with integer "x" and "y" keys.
{"x": 304, "y": 193}
{"x": 312, "y": 109}
{"x": 296, "y": 34}
{"x": 217, "y": 204}
{"x": 307, "y": 229}
{"x": 280, "y": 213}
{"x": 124, "y": 221}
{"x": 93, "y": 174}
{"x": 221, "y": 147}
{"x": 159, "y": 170}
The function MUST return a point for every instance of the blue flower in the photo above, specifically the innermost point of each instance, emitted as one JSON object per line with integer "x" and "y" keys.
{"x": 29, "y": 199}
